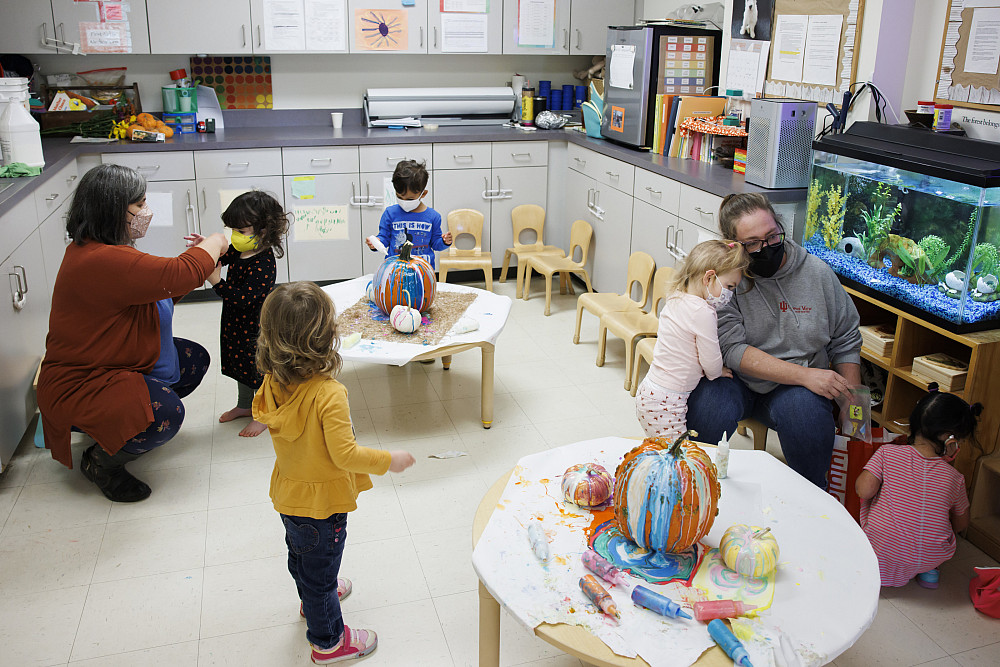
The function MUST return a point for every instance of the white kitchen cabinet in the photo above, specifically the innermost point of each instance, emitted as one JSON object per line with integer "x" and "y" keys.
{"x": 611, "y": 215}
{"x": 24, "y": 321}
{"x": 195, "y": 26}
{"x": 54, "y": 238}
{"x": 215, "y": 194}
{"x": 579, "y": 197}
{"x": 326, "y": 259}
{"x": 412, "y": 40}
{"x": 441, "y": 24}
{"x": 375, "y": 186}
{"x": 589, "y": 21}
{"x": 654, "y": 231}
{"x": 264, "y": 38}
{"x": 68, "y": 14}
{"x": 514, "y": 186}
{"x": 464, "y": 188}
{"x": 28, "y": 28}
{"x": 537, "y": 41}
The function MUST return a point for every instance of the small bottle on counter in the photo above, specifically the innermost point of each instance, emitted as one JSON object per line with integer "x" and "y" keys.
{"x": 722, "y": 457}
{"x": 527, "y": 106}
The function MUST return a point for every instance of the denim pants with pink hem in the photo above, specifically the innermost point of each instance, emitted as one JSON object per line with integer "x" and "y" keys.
{"x": 315, "y": 549}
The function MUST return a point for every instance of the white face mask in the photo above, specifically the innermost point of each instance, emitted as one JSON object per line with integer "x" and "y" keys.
{"x": 139, "y": 223}
{"x": 725, "y": 296}
{"x": 409, "y": 205}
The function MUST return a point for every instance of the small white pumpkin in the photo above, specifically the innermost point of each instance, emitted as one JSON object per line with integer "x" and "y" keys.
{"x": 403, "y": 318}
{"x": 750, "y": 550}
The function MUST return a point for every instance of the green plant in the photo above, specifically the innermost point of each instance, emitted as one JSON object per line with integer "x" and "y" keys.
{"x": 833, "y": 223}
{"x": 813, "y": 200}
{"x": 935, "y": 250}
{"x": 966, "y": 241}
{"x": 984, "y": 259}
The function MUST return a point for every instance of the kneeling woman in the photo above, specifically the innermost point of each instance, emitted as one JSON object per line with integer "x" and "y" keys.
{"x": 112, "y": 367}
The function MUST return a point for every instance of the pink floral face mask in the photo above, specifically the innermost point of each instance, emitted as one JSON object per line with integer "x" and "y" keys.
{"x": 139, "y": 223}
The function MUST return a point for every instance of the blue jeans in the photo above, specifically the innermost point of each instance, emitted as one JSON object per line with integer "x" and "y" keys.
{"x": 803, "y": 420}
{"x": 315, "y": 548}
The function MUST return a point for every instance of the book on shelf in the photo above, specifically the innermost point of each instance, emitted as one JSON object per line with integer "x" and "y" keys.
{"x": 878, "y": 338}
{"x": 949, "y": 373}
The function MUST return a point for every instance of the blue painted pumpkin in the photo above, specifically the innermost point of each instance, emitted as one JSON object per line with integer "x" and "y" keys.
{"x": 402, "y": 275}
{"x": 666, "y": 494}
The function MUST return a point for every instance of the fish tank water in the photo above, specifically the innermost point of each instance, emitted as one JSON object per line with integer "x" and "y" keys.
{"x": 910, "y": 217}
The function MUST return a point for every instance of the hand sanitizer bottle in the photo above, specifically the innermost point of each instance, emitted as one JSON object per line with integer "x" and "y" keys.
{"x": 722, "y": 457}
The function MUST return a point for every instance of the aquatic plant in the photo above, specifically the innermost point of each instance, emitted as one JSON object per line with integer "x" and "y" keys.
{"x": 877, "y": 224}
{"x": 935, "y": 249}
{"x": 813, "y": 200}
{"x": 833, "y": 223}
{"x": 966, "y": 241}
{"x": 913, "y": 257}
{"x": 985, "y": 259}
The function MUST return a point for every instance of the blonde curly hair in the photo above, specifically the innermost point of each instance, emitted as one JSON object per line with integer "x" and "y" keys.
{"x": 298, "y": 334}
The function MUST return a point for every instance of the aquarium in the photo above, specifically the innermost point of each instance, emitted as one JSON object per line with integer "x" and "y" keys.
{"x": 913, "y": 217}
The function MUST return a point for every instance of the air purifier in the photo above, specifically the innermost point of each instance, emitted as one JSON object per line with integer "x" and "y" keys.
{"x": 779, "y": 143}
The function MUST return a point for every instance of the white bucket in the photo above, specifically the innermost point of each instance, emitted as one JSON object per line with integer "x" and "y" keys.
{"x": 15, "y": 88}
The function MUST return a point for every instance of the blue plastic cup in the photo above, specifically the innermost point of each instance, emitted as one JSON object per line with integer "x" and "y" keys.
{"x": 544, "y": 87}
{"x": 556, "y": 100}
{"x": 580, "y": 96}
{"x": 567, "y": 92}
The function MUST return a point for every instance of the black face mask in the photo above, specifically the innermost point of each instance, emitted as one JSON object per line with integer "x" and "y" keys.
{"x": 766, "y": 261}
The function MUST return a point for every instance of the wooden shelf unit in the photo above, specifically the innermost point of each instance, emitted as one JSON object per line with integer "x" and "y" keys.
{"x": 984, "y": 524}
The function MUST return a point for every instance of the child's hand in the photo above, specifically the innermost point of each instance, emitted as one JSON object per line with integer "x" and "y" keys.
{"x": 193, "y": 240}
{"x": 446, "y": 237}
{"x": 726, "y": 373}
{"x": 216, "y": 275}
{"x": 401, "y": 460}
{"x": 369, "y": 244}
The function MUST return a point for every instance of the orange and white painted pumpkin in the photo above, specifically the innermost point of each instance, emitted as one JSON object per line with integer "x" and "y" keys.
{"x": 587, "y": 484}
{"x": 666, "y": 494}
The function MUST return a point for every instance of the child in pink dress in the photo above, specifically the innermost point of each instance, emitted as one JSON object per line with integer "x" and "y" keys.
{"x": 687, "y": 337}
{"x": 913, "y": 501}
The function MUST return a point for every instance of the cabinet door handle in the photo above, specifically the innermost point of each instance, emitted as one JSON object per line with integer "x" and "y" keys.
{"x": 421, "y": 36}
{"x": 62, "y": 33}
{"x": 514, "y": 156}
{"x": 245, "y": 165}
{"x": 655, "y": 192}
{"x": 501, "y": 193}
{"x": 565, "y": 38}
{"x": 259, "y": 41}
{"x": 70, "y": 179}
{"x": 590, "y": 197}
{"x": 582, "y": 163}
{"x": 679, "y": 241}
{"x": 52, "y": 197}
{"x": 704, "y": 212}
{"x": 670, "y": 246}
{"x": 204, "y": 200}
{"x": 16, "y": 293}
{"x": 189, "y": 215}
{"x": 147, "y": 167}
{"x": 24, "y": 276}
{"x": 579, "y": 38}
{"x": 395, "y": 159}
{"x": 243, "y": 29}
{"x": 461, "y": 157}
{"x": 612, "y": 174}
{"x": 327, "y": 160}
{"x": 435, "y": 37}
{"x": 487, "y": 193}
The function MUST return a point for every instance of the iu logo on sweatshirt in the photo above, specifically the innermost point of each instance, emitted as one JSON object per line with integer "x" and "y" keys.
{"x": 783, "y": 306}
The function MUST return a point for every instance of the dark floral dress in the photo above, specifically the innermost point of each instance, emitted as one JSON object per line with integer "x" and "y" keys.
{"x": 247, "y": 284}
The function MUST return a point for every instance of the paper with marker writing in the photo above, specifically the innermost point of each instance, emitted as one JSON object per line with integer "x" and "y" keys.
{"x": 326, "y": 25}
{"x": 789, "y": 45}
{"x": 284, "y": 25}
{"x": 819, "y": 64}
{"x": 304, "y": 187}
{"x": 320, "y": 223}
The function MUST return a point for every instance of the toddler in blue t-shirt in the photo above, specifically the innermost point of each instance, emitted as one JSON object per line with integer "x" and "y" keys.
{"x": 411, "y": 219}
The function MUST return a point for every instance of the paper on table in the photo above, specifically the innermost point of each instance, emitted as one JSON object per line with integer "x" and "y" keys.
{"x": 162, "y": 206}
{"x": 467, "y": 6}
{"x": 326, "y": 25}
{"x": 822, "y": 49}
{"x": 536, "y": 23}
{"x": 622, "y": 61}
{"x": 982, "y": 55}
{"x": 284, "y": 25}
{"x": 790, "y": 34}
{"x": 463, "y": 33}
{"x": 320, "y": 223}
{"x": 304, "y": 187}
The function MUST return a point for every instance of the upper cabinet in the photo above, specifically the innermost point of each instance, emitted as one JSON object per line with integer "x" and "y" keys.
{"x": 297, "y": 26}
{"x": 101, "y": 27}
{"x": 387, "y": 26}
{"x": 537, "y": 27}
{"x": 26, "y": 30}
{"x": 465, "y": 26}
{"x": 196, "y": 26}
{"x": 589, "y": 21}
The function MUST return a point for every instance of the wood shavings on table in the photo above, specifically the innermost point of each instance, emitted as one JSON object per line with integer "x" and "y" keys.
{"x": 365, "y": 318}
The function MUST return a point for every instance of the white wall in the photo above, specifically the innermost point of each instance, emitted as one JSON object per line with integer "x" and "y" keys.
{"x": 338, "y": 81}
{"x": 658, "y": 9}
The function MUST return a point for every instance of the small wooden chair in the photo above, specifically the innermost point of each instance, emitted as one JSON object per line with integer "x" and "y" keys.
{"x": 631, "y": 325}
{"x": 580, "y": 236}
{"x": 526, "y": 217}
{"x": 466, "y": 221}
{"x": 758, "y": 430}
{"x": 640, "y": 271}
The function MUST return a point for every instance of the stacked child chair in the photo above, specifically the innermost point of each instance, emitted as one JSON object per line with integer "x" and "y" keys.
{"x": 580, "y": 236}
{"x": 466, "y": 221}
{"x": 528, "y": 218}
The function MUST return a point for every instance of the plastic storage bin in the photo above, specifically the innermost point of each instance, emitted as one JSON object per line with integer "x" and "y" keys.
{"x": 179, "y": 100}
{"x": 183, "y": 123}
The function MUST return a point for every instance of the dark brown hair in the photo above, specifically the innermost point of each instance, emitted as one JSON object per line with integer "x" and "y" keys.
{"x": 298, "y": 334}
{"x": 409, "y": 176}
{"x": 263, "y": 212}
{"x": 100, "y": 205}
{"x": 938, "y": 415}
{"x": 734, "y": 207}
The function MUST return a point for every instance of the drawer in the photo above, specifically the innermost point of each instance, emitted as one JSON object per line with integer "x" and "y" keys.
{"x": 521, "y": 154}
{"x": 156, "y": 166}
{"x": 603, "y": 169}
{"x": 235, "y": 164}
{"x": 660, "y": 191}
{"x": 320, "y": 160}
{"x": 385, "y": 158}
{"x": 699, "y": 207}
{"x": 16, "y": 225}
{"x": 52, "y": 193}
{"x": 462, "y": 156}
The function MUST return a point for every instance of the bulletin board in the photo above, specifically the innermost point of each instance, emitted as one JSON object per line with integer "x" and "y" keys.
{"x": 847, "y": 61}
{"x": 956, "y": 85}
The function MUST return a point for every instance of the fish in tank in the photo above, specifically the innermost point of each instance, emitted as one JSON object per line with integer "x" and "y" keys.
{"x": 929, "y": 242}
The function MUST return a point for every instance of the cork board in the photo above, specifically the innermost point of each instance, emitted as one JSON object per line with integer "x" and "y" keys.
{"x": 954, "y": 85}
{"x": 850, "y": 42}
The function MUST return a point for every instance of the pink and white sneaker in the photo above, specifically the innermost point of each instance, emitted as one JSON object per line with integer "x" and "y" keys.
{"x": 355, "y": 644}
{"x": 344, "y": 588}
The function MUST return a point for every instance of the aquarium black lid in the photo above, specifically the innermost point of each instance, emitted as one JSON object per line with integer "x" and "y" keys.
{"x": 961, "y": 159}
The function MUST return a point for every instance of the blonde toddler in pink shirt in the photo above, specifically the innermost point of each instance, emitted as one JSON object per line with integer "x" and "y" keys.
{"x": 687, "y": 338}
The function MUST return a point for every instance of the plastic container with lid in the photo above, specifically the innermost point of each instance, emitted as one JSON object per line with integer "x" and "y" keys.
{"x": 20, "y": 140}
{"x": 179, "y": 100}
{"x": 15, "y": 88}
{"x": 737, "y": 106}
{"x": 942, "y": 117}
{"x": 527, "y": 106}
{"x": 925, "y": 107}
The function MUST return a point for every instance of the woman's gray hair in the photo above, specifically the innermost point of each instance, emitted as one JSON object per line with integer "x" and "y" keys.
{"x": 100, "y": 205}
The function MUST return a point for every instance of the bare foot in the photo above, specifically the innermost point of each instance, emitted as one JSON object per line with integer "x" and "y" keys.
{"x": 253, "y": 429}
{"x": 235, "y": 413}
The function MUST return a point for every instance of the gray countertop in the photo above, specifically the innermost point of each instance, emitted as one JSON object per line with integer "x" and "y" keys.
{"x": 702, "y": 175}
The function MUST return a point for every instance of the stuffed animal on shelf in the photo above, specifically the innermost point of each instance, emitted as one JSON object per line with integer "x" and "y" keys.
{"x": 749, "y": 26}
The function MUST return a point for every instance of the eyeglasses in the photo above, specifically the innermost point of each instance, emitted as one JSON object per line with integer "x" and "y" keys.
{"x": 756, "y": 246}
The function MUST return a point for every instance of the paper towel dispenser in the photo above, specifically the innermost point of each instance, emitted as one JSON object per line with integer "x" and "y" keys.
{"x": 444, "y": 106}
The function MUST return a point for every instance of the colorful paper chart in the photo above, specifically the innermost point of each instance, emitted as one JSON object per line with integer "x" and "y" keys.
{"x": 381, "y": 29}
{"x": 721, "y": 583}
{"x": 242, "y": 82}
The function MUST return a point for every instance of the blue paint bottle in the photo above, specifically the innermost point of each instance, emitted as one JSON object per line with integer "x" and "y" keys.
{"x": 655, "y": 602}
{"x": 728, "y": 642}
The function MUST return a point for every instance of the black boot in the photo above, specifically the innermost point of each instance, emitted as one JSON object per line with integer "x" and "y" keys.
{"x": 109, "y": 474}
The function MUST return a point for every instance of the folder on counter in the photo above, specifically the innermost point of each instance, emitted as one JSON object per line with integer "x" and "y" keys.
{"x": 666, "y": 105}
{"x": 694, "y": 105}
{"x": 658, "y": 108}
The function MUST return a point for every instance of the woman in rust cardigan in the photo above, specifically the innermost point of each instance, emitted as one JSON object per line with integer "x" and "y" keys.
{"x": 112, "y": 368}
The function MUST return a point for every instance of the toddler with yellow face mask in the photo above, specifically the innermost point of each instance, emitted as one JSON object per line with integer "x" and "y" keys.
{"x": 258, "y": 224}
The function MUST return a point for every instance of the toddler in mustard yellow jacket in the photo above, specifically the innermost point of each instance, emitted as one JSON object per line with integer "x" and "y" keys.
{"x": 320, "y": 469}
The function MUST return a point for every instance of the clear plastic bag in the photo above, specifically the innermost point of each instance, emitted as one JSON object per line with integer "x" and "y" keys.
{"x": 856, "y": 413}
{"x": 109, "y": 76}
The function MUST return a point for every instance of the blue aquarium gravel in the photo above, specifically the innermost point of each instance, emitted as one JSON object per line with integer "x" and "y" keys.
{"x": 926, "y": 297}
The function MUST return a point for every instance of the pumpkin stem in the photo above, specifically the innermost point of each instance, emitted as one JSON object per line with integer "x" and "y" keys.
{"x": 404, "y": 251}
{"x": 408, "y": 303}
{"x": 762, "y": 532}
{"x": 675, "y": 448}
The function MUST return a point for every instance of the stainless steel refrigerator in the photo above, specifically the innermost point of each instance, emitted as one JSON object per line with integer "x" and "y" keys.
{"x": 646, "y": 61}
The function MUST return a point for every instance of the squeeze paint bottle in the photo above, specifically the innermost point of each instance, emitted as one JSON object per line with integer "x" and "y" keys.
{"x": 722, "y": 457}
{"x": 539, "y": 542}
{"x": 655, "y": 602}
{"x": 708, "y": 610}
{"x": 602, "y": 568}
{"x": 728, "y": 642}
{"x": 598, "y": 595}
